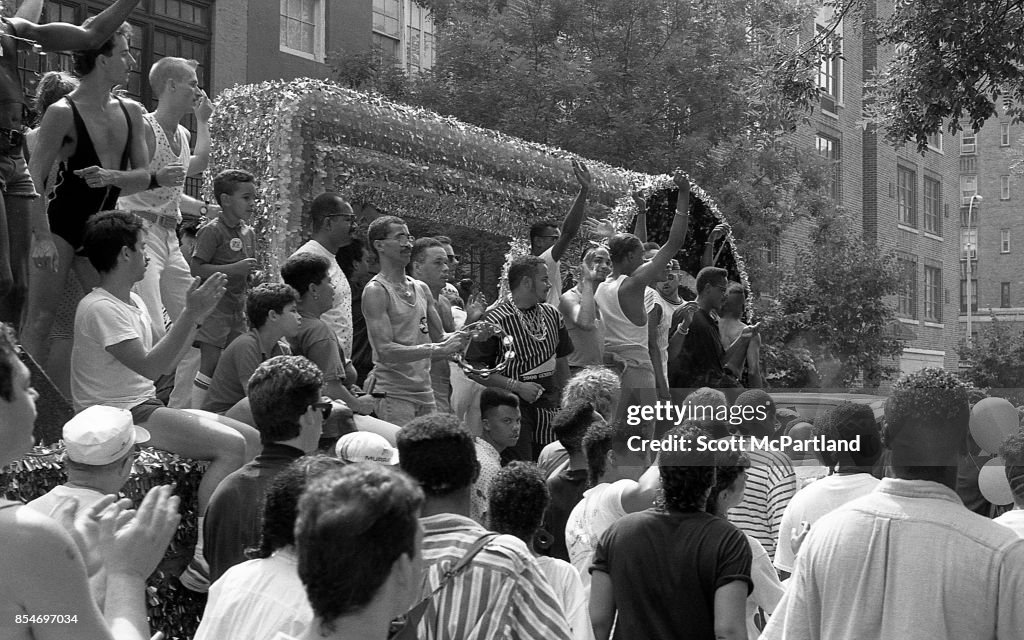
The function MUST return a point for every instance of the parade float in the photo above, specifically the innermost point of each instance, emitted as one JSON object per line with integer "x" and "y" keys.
{"x": 480, "y": 187}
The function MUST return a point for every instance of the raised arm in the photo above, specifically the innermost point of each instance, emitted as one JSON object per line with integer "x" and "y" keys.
{"x": 63, "y": 36}
{"x": 201, "y": 155}
{"x": 573, "y": 220}
{"x": 649, "y": 272}
{"x": 707, "y": 259}
{"x": 641, "y": 216}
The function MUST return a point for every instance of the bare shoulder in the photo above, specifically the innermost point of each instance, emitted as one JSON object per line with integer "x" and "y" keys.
{"x": 28, "y": 531}
{"x": 134, "y": 108}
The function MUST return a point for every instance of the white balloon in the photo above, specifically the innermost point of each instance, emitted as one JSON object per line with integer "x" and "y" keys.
{"x": 993, "y": 420}
{"x": 993, "y": 483}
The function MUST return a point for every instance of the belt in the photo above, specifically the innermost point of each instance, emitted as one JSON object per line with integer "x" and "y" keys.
{"x": 167, "y": 222}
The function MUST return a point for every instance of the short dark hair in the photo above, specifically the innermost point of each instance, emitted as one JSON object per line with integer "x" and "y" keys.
{"x": 8, "y": 356}
{"x": 304, "y": 269}
{"x": 1012, "y": 451}
{"x": 106, "y": 233}
{"x": 491, "y": 398}
{"x": 83, "y": 62}
{"x": 353, "y": 524}
{"x": 281, "y": 503}
{"x": 516, "y": 501}
{"x": 601, "y": 438}
{"x": 324, "y": 205}
{"x": 349, "y": 255}
{"x": 687, "y": 471}
{"x": 927, "y": 406}
{"x": 438, "y": 451}
{"x": 539, "y": 226}
{"x": 571, "y": 423}
{"x": 849, "y": 422}
{"x": 228, "y": 181}
{"x": 280, "y": 391}
{"x": 622, "y": 244}
{"x": 523, "y": 267}
{"x": 443, "y": 240}
{"x": 267, "y": 297}
{"x": 419, "y": 249}
{"x": 755, "y": 398}
{"x": 378, "y": 230}
{"x": 710, "y": 275}
{"x": 728, "y": 466}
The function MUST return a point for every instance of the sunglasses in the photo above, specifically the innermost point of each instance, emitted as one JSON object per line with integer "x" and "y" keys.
{"x": 324, "y": 408}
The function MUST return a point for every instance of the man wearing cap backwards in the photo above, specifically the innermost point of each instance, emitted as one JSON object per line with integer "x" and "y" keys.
{"x": 100, "y": 448}
{"x": 363, "y": 446}
{"x": 284, "y": 395}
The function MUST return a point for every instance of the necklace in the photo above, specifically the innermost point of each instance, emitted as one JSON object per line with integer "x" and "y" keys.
{"x": 533, "y": 324}
{"x": 404, "y": 290}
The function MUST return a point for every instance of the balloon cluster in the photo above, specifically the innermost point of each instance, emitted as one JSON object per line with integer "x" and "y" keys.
{"x": 993, "y": 420}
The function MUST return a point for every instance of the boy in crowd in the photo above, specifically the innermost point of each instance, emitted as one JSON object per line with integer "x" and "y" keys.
{"x": 225, "y": 245}
{"x": 500, "y": 420}
{"x": 273, "y": 316}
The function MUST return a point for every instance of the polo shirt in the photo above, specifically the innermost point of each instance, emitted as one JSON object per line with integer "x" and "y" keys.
{"x": 236, "y": 365}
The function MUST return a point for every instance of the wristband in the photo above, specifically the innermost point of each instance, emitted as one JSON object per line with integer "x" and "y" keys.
{"x": 153, "y": 182}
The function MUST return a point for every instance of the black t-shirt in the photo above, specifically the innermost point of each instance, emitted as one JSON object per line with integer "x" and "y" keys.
{"x": 665, "y": 568}
{"x": 702, "y": 359}
{"x": 566, "y": 488}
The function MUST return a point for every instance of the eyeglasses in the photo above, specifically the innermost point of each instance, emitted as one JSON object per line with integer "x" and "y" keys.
{"x": 324, "y": 408}
{"x": 399, "y": 237}
{"x": 348, "y": 217}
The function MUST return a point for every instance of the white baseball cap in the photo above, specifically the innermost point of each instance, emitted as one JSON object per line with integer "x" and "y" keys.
{"x": 100, "y": 435}
{"x": 363, "y": 446}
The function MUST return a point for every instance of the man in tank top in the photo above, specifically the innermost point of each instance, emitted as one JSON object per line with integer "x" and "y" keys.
{"x": 620, "y": 300}
{"x": 403, "y": 326}
{"x": 100, "y": 138}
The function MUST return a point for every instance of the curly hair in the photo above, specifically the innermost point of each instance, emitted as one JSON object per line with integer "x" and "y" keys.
{"x": 849, "y": 423}
{"x": 8, "y": 356}
{"x": 523, "y": 267}
{"x": 728, "y": 466}
{"x": 517, "y": 500}
{"x": 1012, "y": 452}
{"x": 354, "y": 523}
{"x": 281, "y": 503}
{"x": 438, "y": 451}
{"x": 304, "y": 269}
{"x": 687, "y": 472}
{"x": 927, "y": 406}
{"x": 280, "y": 391}
{"x": 597, "y": 385}
{"x": 570, "y": 424}
{"x": 267, "y": 297}
{"x": 601, "y": 438}
{"x": 53, "y": 86}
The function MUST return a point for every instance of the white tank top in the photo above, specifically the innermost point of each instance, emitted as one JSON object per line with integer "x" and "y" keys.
{"x": 162, "y": 201}
{"x": 619, "y": 331}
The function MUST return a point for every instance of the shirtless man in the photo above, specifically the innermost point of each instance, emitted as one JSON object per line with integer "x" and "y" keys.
{"x": 620, "y": 300}
{"x": 99, "y": 136}
{"x": 42, "y": 570}
{"x": 15, "y": 182}
{"x": 741, "y": 342}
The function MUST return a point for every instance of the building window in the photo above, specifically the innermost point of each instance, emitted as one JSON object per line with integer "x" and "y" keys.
{"x": 907, "y": 297}
{"x": 1004, "y": 187}
{"x": 1004, "y": 295}
{"x": 830, "y": 67}
{"x": 933, "y": 293}
{"x": 963, "y": 295}
{"x": 1004, "y": 134}
{"x": 968, "y": 188}
{"x": 932, "y": 206}
{"x": 403, "y": 33}
{"x": 1004, "y": 241}
{"x": 302, "y": 28}
{"x": 906, "y": 196}
{"x": 935, "y": 141}
{"x": 828, "y": 148}
{"x": 968, "y": 141}
{"x": 969, "y": 243}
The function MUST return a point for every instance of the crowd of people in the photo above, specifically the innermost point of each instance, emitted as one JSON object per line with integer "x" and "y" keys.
{"x": 390, "y": 454}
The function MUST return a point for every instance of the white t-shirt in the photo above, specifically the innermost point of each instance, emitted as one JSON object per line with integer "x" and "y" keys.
{"x": 257, "y": 600}
{"x": 97, "y": 377}
{"x": 600, "y": 507}
{"x": 814, "y": 501}
{"x": 568, "y": 588}
{"x": 554, "y": 276}
{"x": 767, "y": 588}
{"x": 1013, "y": 519}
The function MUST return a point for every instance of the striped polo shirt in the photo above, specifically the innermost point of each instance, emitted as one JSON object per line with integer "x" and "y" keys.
{"x": 771, "y": 484}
